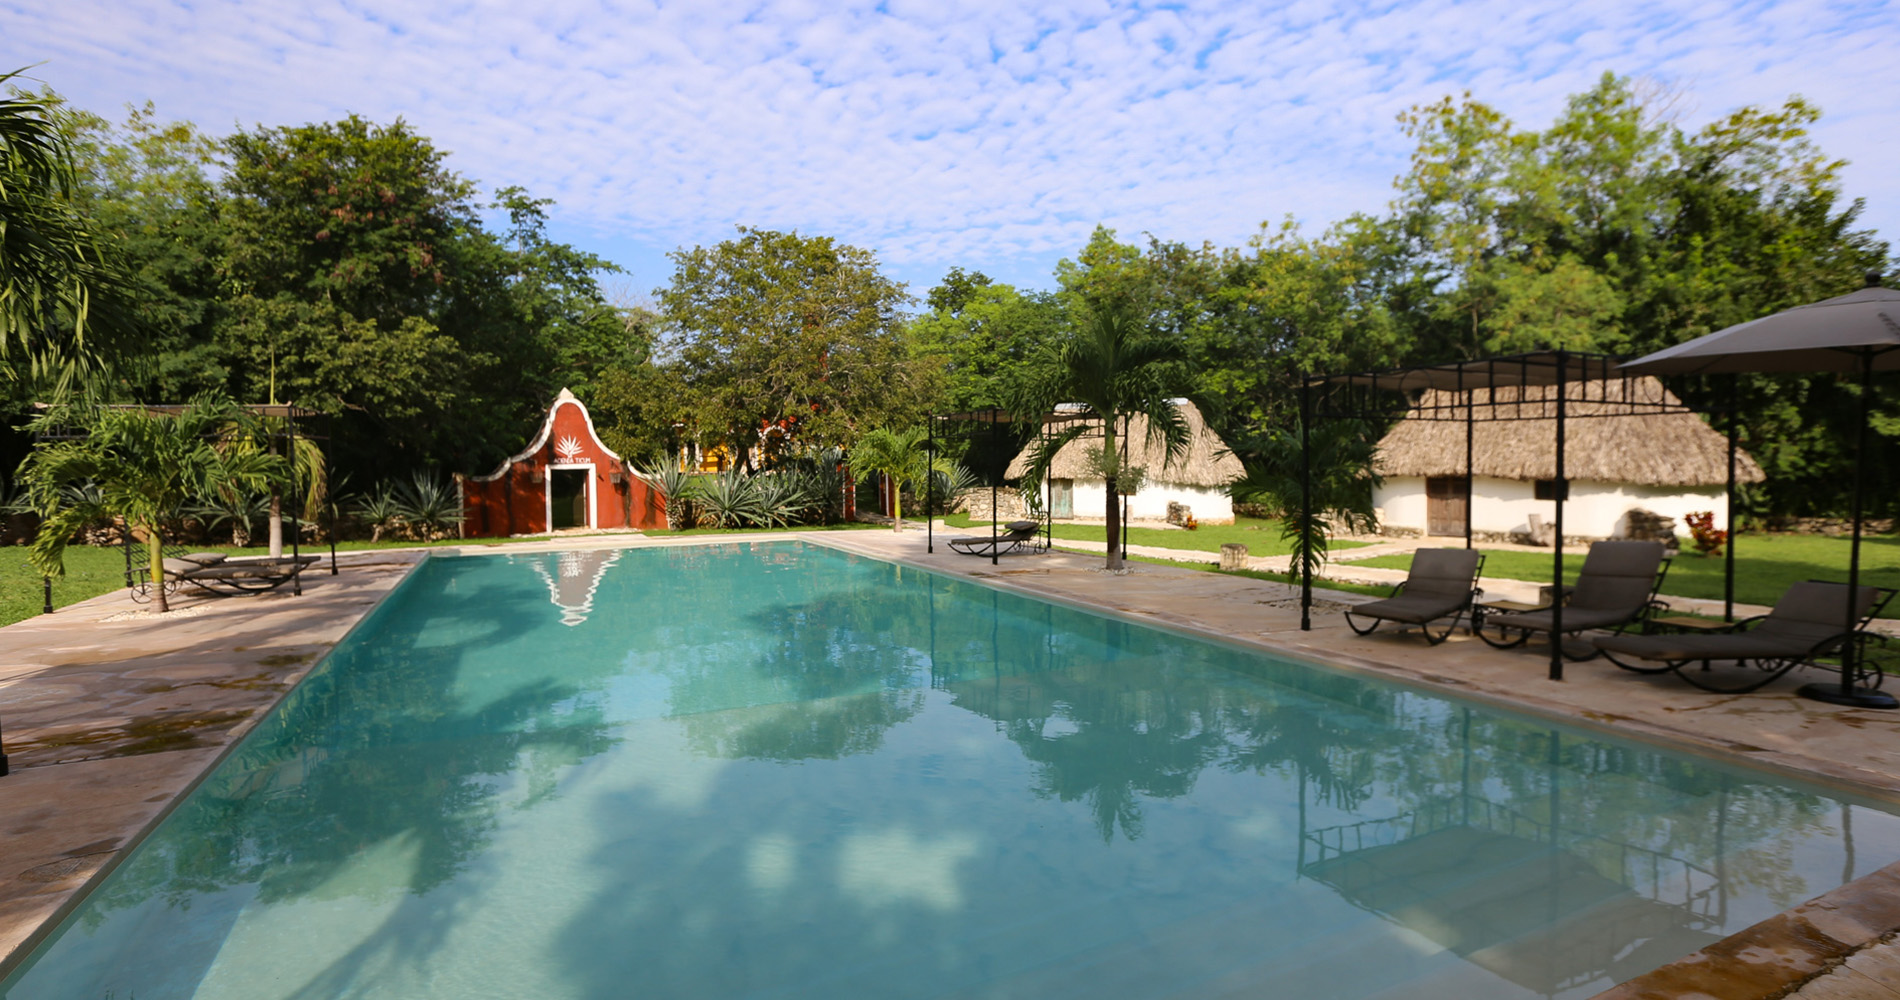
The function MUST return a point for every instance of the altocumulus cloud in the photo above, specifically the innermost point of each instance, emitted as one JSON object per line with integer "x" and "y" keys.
{"x": 982, "y": 134}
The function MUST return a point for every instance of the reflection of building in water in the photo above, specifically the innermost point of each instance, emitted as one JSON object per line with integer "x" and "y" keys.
{"x": 571, "y": 587}
{"x": 1547, "y": 909}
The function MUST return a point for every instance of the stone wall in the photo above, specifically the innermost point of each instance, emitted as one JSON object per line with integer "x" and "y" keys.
{"x": 976, "y": 503}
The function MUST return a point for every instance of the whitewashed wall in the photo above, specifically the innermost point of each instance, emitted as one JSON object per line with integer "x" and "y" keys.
{"x": 1151, "y": 504}
{"x": 1595, "y": 509}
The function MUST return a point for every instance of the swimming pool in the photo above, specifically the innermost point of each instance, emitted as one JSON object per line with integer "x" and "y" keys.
{"x": 778, "y": 770}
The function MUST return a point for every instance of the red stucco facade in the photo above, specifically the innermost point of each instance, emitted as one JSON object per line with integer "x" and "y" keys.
{"x": 568, "y": 462}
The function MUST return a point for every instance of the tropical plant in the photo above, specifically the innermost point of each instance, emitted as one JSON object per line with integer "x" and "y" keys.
{"x": 948, "y": 482}
{"x": 145, "y": 465}
{"x": 785, "y": 497}
{"x": 1115, "y": 368}
{"x": 429, "y": 507}
{"x": 237, "y": 508}
{"x": 731, "y": 500}
{"x": 1333, "y": 492}
{"x": 379, "y": 509}
{"x": 53, "y": 265}
{"x": 899, "y": 455}
{"x": 677, "y": 489}
{"x": 1708, "y": 538}
{"x": 824, "y": 474}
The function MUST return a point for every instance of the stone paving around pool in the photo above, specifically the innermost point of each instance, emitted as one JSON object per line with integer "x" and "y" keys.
{"x": 108, "y": 722}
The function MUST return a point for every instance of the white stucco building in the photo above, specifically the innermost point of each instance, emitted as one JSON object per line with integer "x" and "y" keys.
{"x": 1198, "y": 478}
{"x": 1672, "y": 464}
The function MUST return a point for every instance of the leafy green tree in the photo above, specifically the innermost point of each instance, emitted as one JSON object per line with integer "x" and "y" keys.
{"x": 1115, "y": 368}
{"x": 145, "y": 466}
{"x": 58, "y": 278}
{"x": 798, "y": 333}
{"x": 975, "y": 334}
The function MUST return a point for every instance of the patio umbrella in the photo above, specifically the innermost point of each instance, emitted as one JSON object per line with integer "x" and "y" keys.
{"x": 1854, "y": 333}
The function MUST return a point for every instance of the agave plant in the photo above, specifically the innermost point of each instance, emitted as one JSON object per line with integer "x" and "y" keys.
{"x": 784, "y": 497}
{"x": 678, "y": 488}
{"x": 241, "y": 511}
{"x": 948, "y": 481}
{"x": 731, "y": 500}
{"x": 429, "y": 506}
{"x": 380, "y": 510}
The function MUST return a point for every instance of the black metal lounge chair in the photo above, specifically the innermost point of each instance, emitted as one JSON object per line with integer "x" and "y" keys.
{"x": 1443, "y": 583}
{"x": 1804, "y": 625}
{"x": 230, "y": 577}
{"x": 1616, "y": 589}
{"x": 1017, "y": 536}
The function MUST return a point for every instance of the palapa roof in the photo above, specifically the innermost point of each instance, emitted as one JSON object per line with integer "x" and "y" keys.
{"x": 1206, "y": 462}
{"x": 1514, "y": 436}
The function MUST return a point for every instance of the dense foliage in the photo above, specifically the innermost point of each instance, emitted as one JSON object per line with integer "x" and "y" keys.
{"x": 346, "y": 266}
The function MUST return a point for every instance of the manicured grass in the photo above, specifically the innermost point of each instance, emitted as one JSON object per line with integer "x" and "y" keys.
{"x": 89, "y": 573}
{"x": 1261, "y": 536}
{"x": 1765, "y": 565}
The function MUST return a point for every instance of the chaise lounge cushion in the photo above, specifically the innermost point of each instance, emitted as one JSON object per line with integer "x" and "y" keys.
{"x": 1440, "y": 584}
{"x": 1613, "y": 588}
{"x": 1802, "y": 623}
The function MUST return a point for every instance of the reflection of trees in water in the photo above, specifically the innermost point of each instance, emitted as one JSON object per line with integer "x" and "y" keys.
{"x": 816, "y": 662}
{"x": 385, "y": 744}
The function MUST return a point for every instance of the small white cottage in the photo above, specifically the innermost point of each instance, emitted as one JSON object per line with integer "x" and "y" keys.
{"x": 1196, "y": 479}
{"x": 1672, "y": 464}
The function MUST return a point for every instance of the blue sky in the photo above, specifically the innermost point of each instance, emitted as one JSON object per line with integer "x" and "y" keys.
{"x": 984, "y": 135}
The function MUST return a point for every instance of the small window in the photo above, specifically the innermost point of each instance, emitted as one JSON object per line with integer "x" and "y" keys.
{"x": 1547, "y": 489}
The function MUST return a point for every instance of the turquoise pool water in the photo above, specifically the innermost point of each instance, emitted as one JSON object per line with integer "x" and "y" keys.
{"x": 776, "y": 770}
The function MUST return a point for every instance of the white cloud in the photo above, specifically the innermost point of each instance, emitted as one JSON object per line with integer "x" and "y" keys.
{"x": 987, "y": 136}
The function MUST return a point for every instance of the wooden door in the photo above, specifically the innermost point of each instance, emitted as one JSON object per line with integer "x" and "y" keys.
{"x": 1062, "y": 498}
{"x": 1446, "y": 502}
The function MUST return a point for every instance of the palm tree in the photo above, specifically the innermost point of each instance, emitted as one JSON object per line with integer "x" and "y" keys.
{"x": 1115, "y": 369}
{"x": 56, "y": 281}
{"x": 144, "y": 465}
{"x": 901, "y": 455}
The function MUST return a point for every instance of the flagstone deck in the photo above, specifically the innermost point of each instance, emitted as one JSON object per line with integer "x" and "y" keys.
{"x": 108, "y": 722}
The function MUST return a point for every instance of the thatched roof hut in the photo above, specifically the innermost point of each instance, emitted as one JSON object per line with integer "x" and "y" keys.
{"x": 1645, "y": 449}
{"x": 1206, "y": 464}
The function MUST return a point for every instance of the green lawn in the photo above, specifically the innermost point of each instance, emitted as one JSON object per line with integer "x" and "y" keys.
{"x": 1261, "y": 536}
{"x": 1764, "y": 566}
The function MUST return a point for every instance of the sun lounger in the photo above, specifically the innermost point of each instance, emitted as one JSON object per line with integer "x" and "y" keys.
{"x": 1616, "y": 589}
{"x": 229, "y": 577}
{"x": 1017, "y": 536}
{"x": 1443, "y": 584}
{"x": 1805, "y": 624}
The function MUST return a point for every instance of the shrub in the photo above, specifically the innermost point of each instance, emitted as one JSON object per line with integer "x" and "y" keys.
{"x": 1708, "y": 538}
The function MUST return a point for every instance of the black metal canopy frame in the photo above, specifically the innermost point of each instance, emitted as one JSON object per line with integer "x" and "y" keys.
{"x": 992, "y": 416}
{"x": 296, "y": 421}
{"x": 1545, "y": 383}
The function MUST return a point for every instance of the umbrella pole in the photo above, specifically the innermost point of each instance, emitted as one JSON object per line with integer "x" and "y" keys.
{"x": 1301, "y": 555}
{"x": 1847, "y": 693}
{"x": 1557, "y": 559}
{"x": 930, "y": 483}
{"x": 1728, "y": 558}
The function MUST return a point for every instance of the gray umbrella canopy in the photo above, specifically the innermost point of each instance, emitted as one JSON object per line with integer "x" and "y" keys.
{"x": 1856, "y": 333}
{"x": 1833, "y": 335}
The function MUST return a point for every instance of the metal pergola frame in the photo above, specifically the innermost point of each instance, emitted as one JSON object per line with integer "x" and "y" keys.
{"x": 1400, "y": 393}
{"x": 992, "y": 415}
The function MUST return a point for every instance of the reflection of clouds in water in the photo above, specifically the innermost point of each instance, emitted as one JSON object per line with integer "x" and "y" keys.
{"x": 772, "y": 862}
{"x": 896, "y": 867}
{"x": 1263, "y": 826}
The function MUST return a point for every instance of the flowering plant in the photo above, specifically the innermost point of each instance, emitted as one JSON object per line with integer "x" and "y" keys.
{"x": 1709, "y": 539}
